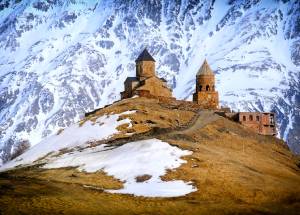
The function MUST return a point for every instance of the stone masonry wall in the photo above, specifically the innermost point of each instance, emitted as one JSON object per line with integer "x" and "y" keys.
{"x": 145, "y": 69}
{"x": 207, "y": 100}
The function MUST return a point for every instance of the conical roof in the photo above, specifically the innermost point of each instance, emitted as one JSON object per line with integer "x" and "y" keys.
{"x": 145, "y": 56}
{"x": 205, "y": 69}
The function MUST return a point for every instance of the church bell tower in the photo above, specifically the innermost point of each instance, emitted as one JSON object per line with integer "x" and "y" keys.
{"x": 206, "y": 95}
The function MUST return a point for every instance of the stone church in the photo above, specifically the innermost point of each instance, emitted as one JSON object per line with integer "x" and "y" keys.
{"x": 146, "y": 83}
{"x": 206, "y": 95}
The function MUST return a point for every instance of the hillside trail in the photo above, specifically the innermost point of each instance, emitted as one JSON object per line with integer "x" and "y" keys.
{"x": 200, "y": 120}
{"x": 204, "y": 117}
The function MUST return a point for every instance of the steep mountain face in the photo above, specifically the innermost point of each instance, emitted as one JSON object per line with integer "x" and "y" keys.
{"x": 59, "y": 59}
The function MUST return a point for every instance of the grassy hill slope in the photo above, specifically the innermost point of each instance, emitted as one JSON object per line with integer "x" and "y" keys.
{"x": 234, "y": 170}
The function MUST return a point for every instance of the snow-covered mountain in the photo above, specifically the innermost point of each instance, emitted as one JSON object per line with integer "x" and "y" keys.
{"x": 59, "y": 59}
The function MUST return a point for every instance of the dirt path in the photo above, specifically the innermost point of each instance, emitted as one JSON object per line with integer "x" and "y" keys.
{"x": 203, "y": 118}
{"x": 200, "y": 120}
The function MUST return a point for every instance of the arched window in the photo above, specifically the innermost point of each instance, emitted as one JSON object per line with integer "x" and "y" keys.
{"x": 251, "y": 118}
{"x": 244, "y": 118}
{"x": 257, "y": 118}
{"x": 207, "y": 87}
{"x": 200, "y": 87}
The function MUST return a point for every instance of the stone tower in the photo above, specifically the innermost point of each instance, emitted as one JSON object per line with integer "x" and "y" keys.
{"x": 145, "y": 65}
{"x": 146, "y": 83}
{"x": 205, "y": 94}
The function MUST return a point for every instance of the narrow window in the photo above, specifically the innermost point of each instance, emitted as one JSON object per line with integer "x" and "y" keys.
{"x": 244, "y": 118}
{"x": 257, "y": 118}
{"x": 207, "y": 87}
{"x": 251, "y": 118}
{"x": 200, "y": 88}
{"x": 213, "y": 88}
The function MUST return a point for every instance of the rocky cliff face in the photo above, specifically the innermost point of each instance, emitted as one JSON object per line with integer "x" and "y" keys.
{"x": 59, "y": 59}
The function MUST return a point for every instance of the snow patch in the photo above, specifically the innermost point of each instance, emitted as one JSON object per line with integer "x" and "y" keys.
{"x": 73, "y": 136}
{"x": 147, "y": 157}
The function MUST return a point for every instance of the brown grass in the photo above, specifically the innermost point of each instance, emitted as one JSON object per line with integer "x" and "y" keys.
{"x": 235, "y": 171}
{"x": 71, "y": 175}
{"x": 150, "y": 113}
{"x": 142, "y": 178}
{"x": 237, "y": 164}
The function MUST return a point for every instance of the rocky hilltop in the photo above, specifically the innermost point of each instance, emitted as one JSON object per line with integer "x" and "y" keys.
{"x": 62, "y": 58}
{"x": 148, "y": 156}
